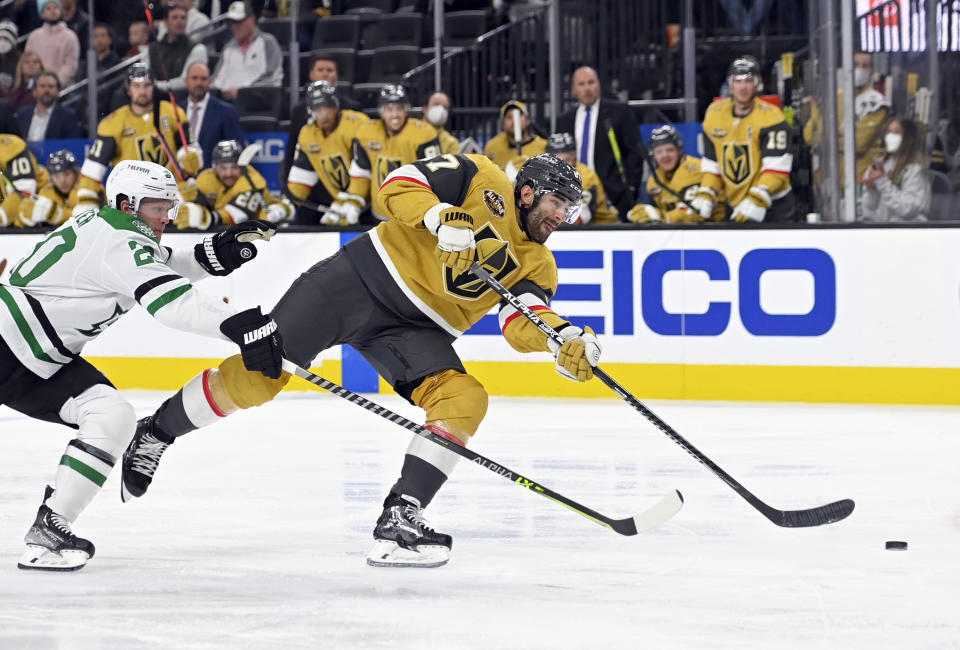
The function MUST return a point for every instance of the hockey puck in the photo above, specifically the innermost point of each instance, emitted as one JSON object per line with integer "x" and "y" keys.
{"x": 896, "y": 546}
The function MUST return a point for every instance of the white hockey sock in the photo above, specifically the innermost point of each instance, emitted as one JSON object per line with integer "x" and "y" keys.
{"x": 82, "y": 471}
{"x": 429, "y": 452}
{"x": 192, "y": 407}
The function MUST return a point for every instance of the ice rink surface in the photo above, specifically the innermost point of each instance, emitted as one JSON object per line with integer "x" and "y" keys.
{"x": 255, "y": 531}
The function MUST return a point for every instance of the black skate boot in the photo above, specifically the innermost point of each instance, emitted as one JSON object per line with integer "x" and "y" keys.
{"x": 51, "y": 545}
{"x": 402, "y": 538}
{"x": 141, "y": 458}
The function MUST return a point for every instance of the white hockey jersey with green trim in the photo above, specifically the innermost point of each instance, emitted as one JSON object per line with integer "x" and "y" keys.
{"x": 89, "y": 272}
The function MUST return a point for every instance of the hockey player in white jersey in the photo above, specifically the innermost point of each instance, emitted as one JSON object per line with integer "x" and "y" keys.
{"x": 80, "y": 279}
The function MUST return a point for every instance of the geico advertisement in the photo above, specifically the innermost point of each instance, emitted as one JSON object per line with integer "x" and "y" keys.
{"x": 884, "y": 297}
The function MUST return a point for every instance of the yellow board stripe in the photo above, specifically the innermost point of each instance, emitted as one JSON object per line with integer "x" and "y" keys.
{"x": 864, "y": 385}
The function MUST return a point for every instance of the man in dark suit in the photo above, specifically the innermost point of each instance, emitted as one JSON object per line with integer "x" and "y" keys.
{"x": 211, "y": 119}
{"x": 47, "y": 120}
{"x": 599, "y": 126}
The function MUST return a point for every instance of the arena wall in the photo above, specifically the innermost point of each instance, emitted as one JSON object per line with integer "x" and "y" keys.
{"x": 818, "y": 315}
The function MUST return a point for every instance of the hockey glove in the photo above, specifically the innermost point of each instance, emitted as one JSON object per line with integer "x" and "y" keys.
{"x": 36, "y": 209}
{"x": 190, "y": 159}
{"x": 226, "y": 251}
{"x": 704, "y": 205}
{"x": 261, "y": 345}
{"x": 277, "y": 212}
{"x": 454, "y": 230}
{"x": 643, "y": 213}
{"x": 578, "y": 355}
{"x": 752, "y": 208}
{"x": 192, "y": 215}
{"x": 332, "y": 216}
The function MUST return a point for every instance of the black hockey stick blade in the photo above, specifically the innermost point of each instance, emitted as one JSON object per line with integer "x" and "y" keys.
{"x": 826, "y": 514}
{"x": 654, "y": 516}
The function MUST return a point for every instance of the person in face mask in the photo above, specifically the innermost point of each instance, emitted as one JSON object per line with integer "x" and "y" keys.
{"x": 897, "y": 187}
{"x": 436, "y": 112}
{"x": 57, "y": 45}
{"x": 9, "y": 54}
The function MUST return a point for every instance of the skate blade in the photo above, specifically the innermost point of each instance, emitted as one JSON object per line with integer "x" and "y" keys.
{"x": 386, "y": 553}
{"x": 124, "y": 494}
{"x": 40, "y": 558}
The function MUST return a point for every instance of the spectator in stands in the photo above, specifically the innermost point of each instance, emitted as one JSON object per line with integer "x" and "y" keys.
{"x": 78, "y": 21}
{"x": 138, "y": 35}
{"x": 680, "y": 174}
{"x": 516, "y": 141}
{"x": 607, "y": 139}
{"x": 322, "y": 68}
{"x": 897, "y": 187}
{"x": 103, "y": 45}
{"x": 250, "y": 58}
{"x": 321, "y": 167}
{"x": 747, "y": 156}
{"x": 436, "y": 113}
{"x": 56, "y": 44}
{"x": 9, "y": 54}
{"x": 28, "y": 68}
{"x": 172, "y": 55}
{"x": 196, "y": 19}
{"x": 211, "y": 119}
{"x": 46, "y": 119}
{"x": 594, "y": 207}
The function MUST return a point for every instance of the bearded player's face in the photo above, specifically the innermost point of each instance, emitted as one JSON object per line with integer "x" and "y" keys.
{"x": 141, "y": 92}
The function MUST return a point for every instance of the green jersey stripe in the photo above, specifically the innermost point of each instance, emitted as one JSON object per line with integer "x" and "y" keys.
{"x": 168, "y": 297}
{"x": 23, "y": 326}
{"x": 83, "y": 469}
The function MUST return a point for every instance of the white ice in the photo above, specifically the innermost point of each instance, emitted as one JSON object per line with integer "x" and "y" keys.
{"x": 255, "y": 531}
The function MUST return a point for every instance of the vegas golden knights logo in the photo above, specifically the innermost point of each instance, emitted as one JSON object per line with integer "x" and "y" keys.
{"x": 150, "y": 150}
{"x": 337, "y": 170}
{"x": 385, "y": 166}
{"x": 736, "y": 162}
{"x": 494, "y": 255}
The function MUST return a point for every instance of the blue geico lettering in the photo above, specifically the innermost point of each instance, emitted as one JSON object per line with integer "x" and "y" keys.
{"x": 754, "y": 264}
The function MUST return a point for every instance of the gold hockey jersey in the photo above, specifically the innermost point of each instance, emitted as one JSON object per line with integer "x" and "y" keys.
{"x": 376, "y": 154}
{"x": 65, "y": 203}
{"x": 685, "y": 181}
{"x": 456, "y": 302}
{"x": 594, "y": 197}
{"x": 501, "y": 150}
{"x": 121, "y": 135}
{"x": 247, "y": 199}
{"x": 20, "y": 168}
{"x": 745, "y": 153}
{"x": 324, "y": 158}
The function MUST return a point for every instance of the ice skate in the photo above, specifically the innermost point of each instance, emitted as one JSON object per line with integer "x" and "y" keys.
{"x": 51, "y": 545}
{"x": 402, "y": 538}
{"x": 141, "y": 458}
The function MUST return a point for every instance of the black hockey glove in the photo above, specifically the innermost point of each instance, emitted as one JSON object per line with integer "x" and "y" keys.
{"x": 261, "y": 345}
{"x": 224, "y": 252}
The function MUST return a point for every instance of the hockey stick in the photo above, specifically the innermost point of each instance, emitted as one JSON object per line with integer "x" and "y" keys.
{"x": 304, "y": 203}
{"x": 825, "y": 514}
{"x": 3, "y": 265}
{"x": 663, "y": 510}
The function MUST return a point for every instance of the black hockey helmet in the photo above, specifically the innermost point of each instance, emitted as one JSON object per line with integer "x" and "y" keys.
{"x": 138, "y": 72}
{"x": 393, "y": 94}
{"x": 744, "y": 66}
{"x": 322, "y": 93}
{"x": 61, "y": 161}
{"x": 665, "y": 134}
{"x": 561, "y": 143}
{"x": 546, "y": 173}
{"x": 226, "y": 151}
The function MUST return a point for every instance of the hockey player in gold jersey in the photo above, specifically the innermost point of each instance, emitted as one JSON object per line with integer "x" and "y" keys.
{"x": 383, "y": 145}
{"x": 594, "y": 207}
{"x": 134, "y": 132}
{"x": 229, "y": 193}
{"x": 21, "y": 206}
{"x": 679, "y": 172}
{"x": 401, "y": 294}
{"x": 324, "y": 153}
{"x": 64, "y": 174}
{"x": 747, "y": 153}
{"x": 502, "y": 148}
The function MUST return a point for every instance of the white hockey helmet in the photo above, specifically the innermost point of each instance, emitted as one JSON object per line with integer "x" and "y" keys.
{"x": 135, "y": 180}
